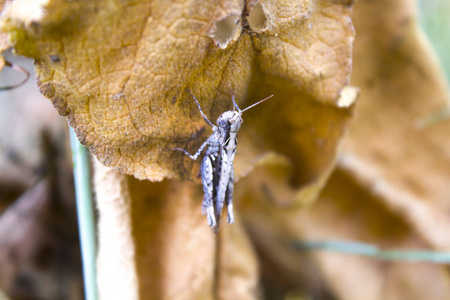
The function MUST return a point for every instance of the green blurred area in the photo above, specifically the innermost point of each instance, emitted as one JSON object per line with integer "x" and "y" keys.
{"x": 434, "y": 16}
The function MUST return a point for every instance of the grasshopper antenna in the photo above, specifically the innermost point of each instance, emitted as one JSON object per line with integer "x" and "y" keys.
{"x": 201, "y": 111}
{"x": 233, "y": 96}
{"x": 235, "y": 106}
{"x": 260, "y": 101}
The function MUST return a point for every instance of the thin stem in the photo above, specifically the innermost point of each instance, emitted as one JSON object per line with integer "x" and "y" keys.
{"x": 85, "y": 212}
{"x": 348, "y": 247}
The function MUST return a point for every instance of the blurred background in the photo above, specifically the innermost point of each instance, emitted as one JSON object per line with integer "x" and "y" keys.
{"x": 434, "y": 18}
{"x": 39, "y": 248}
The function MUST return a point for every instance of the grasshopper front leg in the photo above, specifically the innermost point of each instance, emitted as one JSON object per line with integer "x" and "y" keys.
{"x": 197, "y": 154}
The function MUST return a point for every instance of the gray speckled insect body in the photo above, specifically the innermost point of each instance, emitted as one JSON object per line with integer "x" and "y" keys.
{"x": 217, "y": 169}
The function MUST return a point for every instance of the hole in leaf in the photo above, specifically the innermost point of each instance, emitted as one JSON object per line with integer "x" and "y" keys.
{"x": 226, "y": 29}
{"x": 257, "y": 18}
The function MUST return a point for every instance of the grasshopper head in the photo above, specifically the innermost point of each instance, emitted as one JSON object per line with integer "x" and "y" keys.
{"x": 230, "y": 121}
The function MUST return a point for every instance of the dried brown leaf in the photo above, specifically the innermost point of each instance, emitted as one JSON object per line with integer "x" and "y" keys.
{"x": 407, "y": 166}
{"x": 119, "y": 72}
{"x": 166, "y": 249}
{"x": 3, "y": 40}
{"x": 390, "y": 188}
{"x": 116, "y": 278}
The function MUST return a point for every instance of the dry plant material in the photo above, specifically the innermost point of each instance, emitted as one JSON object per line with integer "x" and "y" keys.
{"x": 3, "y": 46}
{"x": 170, "y": 253}
{"x": 119, "y": 72}
{"x": 391, "y": 183}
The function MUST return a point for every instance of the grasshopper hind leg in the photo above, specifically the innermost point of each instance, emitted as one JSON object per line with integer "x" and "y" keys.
{"x": 229, "y": 197}
{"x": 207, "y": 181}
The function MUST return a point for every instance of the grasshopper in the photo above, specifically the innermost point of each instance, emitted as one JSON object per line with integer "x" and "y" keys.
{"x": 217, "y": 169}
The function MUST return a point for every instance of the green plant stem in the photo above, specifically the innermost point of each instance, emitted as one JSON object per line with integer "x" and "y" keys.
{"x": 85, "y": 212}
{"x": 356, "y": 248}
